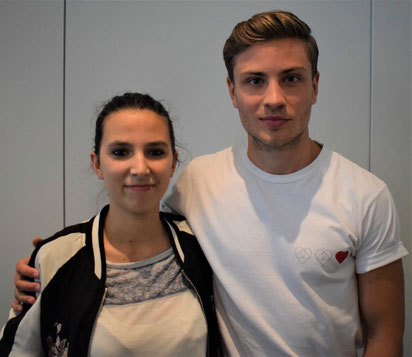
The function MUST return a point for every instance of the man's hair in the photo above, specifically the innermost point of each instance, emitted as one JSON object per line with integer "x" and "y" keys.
{"x": 270, "y": 25}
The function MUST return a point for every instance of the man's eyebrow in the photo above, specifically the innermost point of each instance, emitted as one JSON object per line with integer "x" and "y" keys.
{"x": 258, "y": 74}
{"x": 292, "y": 69}
{"x": 263, "y": 74}
{"x": 252, "y": 73}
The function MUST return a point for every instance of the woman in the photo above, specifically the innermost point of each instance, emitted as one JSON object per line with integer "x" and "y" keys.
{"x": 129, "y": 281}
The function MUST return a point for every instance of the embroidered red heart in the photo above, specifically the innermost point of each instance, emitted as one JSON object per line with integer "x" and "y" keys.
{"x": 341, "y": 256}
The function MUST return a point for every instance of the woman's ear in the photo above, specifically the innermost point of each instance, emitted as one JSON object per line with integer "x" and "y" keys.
{"x": 175, "y": 158}
{"x": 96, "y": 164}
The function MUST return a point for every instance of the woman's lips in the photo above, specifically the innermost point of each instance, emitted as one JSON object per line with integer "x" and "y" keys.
{"x": 138, "y": 188}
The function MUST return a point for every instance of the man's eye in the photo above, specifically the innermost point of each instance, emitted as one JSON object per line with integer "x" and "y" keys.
{"x": 255, "y": 81}
{"x": 291, "y": 79}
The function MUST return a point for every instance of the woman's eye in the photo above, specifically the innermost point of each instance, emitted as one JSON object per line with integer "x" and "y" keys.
{"x": 119, "y": 152}
{"x": 156, "y": 152}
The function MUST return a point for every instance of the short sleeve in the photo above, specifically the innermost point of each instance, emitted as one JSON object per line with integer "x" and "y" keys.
{"x": 380, "y": 241}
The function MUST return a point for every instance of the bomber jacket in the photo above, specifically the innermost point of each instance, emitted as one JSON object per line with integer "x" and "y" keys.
{"x": 73, "y": 273}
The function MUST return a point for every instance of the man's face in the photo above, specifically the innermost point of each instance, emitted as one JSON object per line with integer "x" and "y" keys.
{"x": 274, "y": 91}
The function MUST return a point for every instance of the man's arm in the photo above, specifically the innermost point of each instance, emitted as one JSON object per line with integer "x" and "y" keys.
{"x": 22, "y": 286}
{"x": 382, "y": 305}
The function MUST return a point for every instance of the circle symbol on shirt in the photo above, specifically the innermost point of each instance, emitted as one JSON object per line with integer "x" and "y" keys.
{"x": 303, "y": 254}
{"x": 323, "y": 256}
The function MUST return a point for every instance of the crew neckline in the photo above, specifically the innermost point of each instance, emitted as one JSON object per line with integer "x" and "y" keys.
{"x": 287, "y": 178}
{"x": 141, "y": 263}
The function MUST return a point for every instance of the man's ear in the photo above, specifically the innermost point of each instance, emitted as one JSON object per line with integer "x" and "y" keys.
{"x": 231, "y": 87}
{"x": 96, "y": 164}
{"x": 315, "y": 83}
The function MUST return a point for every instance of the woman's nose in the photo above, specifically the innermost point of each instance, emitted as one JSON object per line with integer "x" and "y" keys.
{"x": 139, "y": 166}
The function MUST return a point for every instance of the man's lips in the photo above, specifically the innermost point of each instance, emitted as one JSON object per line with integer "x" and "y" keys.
{"x": 274, "y": 121}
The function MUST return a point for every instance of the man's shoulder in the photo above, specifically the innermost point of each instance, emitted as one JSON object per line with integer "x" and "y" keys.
{"x": 199, "y": 160}
{"x": 209, "y": 162}
{"x": 350, "y": 170}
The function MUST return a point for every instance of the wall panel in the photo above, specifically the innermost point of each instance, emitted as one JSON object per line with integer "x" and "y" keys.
{"x": 391, "y": 151}
{"x": 173, "y": 50}
{"x": 31, "y": 130}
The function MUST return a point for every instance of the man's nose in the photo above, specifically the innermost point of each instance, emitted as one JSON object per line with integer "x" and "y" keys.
{"x": 274, "y": 95}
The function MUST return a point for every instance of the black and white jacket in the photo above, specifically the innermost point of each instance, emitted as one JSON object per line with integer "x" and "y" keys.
{"x": 73, "y": 273}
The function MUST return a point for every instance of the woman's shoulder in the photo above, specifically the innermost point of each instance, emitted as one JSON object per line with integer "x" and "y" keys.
{"x": 62, "y": 245}
{"x": 176, "y": 221}
{"x": 78, "y": 229}
{"x": 185, "y": 243}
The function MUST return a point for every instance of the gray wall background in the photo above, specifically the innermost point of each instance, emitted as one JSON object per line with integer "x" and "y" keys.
{"x": 60, "y": 60}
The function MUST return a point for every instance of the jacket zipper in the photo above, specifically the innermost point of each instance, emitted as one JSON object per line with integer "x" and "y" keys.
{"x": 95, "y": 319}
{"x": 176, "y": 243}
{"x": 203, "y": 310}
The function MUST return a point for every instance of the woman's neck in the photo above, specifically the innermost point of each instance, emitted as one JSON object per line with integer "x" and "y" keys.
{"x": 133, "y": 237}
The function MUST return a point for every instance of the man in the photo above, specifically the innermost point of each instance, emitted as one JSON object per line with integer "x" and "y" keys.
{"x": 304, "y": 244}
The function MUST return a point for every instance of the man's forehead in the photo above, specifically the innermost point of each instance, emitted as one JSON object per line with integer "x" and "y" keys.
{"x": 275, "y": 47}
{"x": 280, "y": 55}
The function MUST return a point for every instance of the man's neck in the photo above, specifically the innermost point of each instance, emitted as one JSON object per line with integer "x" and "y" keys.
{"x": 284, "y": 161}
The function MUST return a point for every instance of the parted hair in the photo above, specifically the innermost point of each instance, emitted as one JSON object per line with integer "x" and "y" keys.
{"x": 266, "y": 26}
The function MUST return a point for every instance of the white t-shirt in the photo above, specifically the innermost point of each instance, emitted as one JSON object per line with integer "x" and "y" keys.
{"x": 150, "y": 309}
{"x": 285, "y": 249}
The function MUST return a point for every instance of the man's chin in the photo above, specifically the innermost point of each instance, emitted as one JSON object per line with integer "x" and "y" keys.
{"x": 276, "y": 145}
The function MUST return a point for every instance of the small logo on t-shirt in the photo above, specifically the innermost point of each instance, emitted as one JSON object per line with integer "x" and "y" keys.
{"x": 303, "y": 254}
{"x": 323, "y": 256}
{"x": 341, "y": 256}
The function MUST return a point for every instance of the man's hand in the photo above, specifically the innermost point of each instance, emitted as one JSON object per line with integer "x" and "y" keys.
{"x": 22, "y": 286}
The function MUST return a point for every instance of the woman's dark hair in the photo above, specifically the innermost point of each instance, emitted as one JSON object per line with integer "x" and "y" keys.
{"x": 131, "y": 100}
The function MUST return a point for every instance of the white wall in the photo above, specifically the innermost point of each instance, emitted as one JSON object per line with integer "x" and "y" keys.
{"x": 31, "y": 130}
{"x": 391, "y": 153}
{"x": 173, "y": 50}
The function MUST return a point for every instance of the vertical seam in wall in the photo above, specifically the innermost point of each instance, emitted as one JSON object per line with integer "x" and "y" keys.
{"x": 371, "y": 85}
{"x": 64, "y": 113}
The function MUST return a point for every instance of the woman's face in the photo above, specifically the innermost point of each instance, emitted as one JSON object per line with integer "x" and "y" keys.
{"x": 136, "y": 160}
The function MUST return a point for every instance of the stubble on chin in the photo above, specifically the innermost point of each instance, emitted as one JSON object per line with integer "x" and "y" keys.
{"x": 288, "y": 145}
